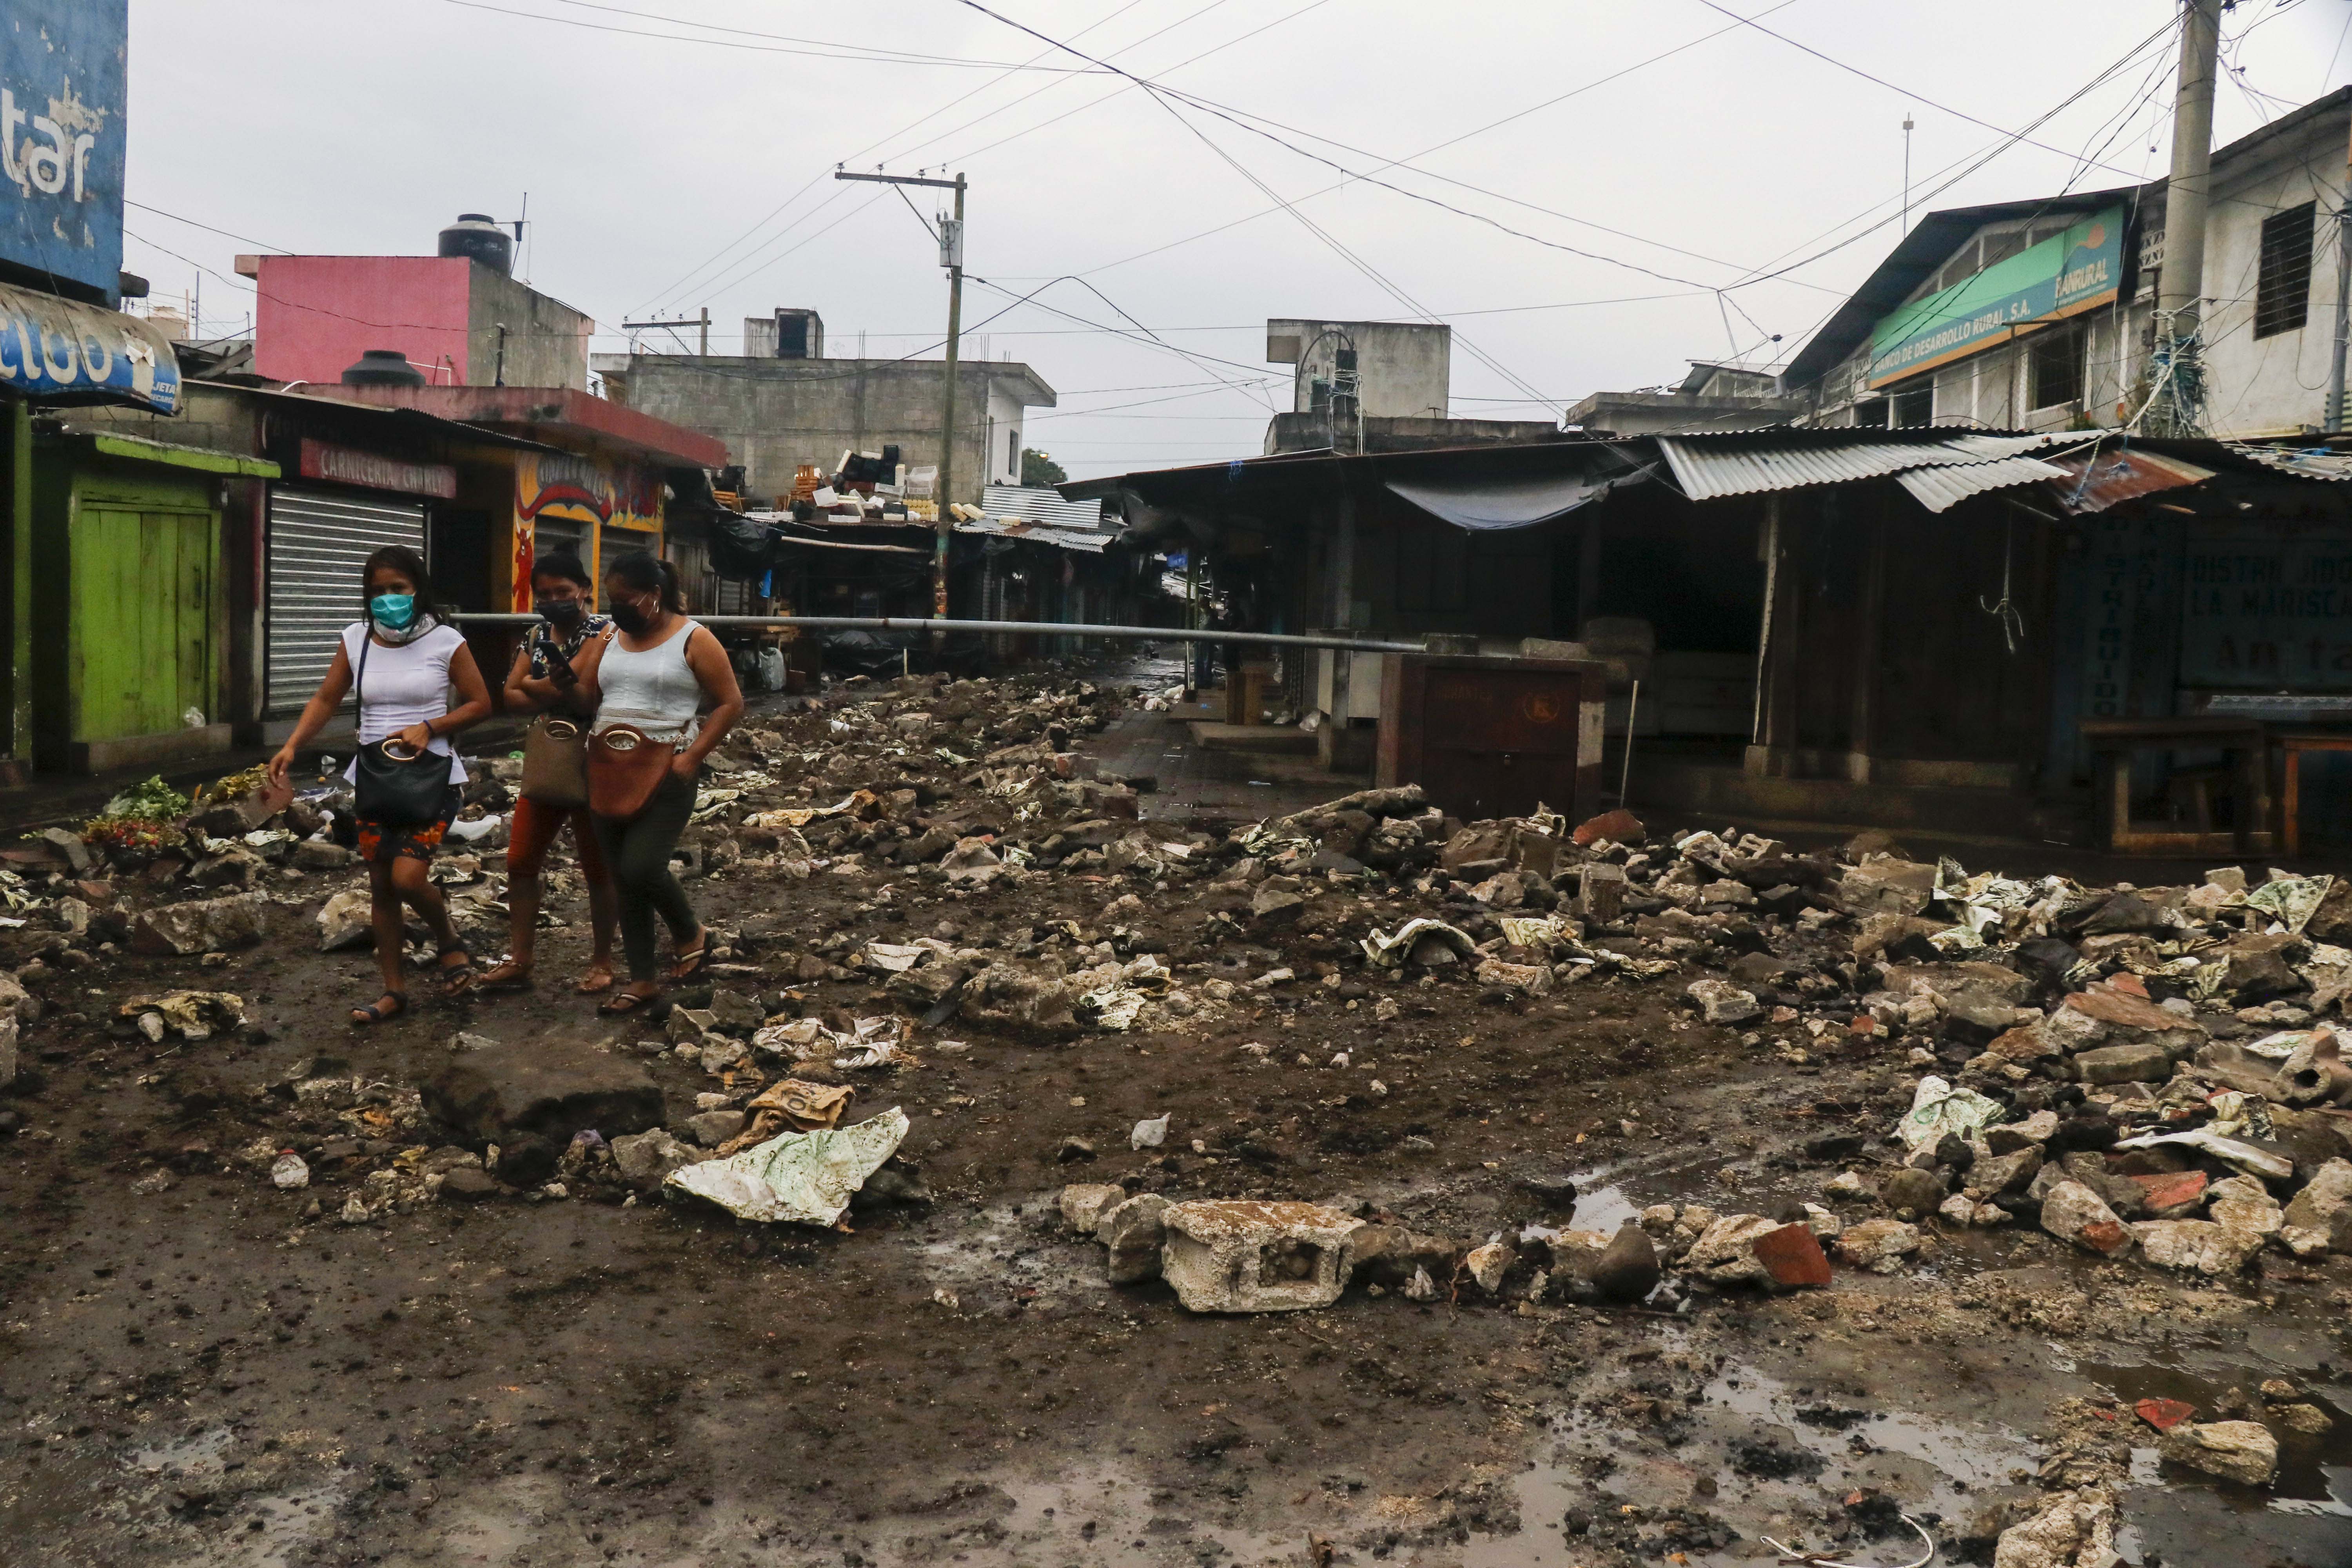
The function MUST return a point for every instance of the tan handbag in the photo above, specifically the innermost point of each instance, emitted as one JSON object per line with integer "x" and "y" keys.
{"x": 555, "y": 763}
{"x": 626, "y": 765}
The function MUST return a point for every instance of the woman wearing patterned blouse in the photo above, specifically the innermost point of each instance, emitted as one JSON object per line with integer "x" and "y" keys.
{"x": 542, "y": 680}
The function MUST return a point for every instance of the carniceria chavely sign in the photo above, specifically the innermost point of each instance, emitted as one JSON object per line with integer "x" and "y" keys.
{"x": 61, "y": 145}
{"x": 2064, "y": 274}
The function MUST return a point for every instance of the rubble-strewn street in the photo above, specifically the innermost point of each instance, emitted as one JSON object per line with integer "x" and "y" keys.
{"x": 1352, "y": 1184}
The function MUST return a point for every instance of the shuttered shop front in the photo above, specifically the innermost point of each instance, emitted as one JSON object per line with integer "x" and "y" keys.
{"x": 318, "y": 542}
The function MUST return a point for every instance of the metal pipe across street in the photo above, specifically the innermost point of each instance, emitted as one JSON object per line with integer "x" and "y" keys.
{"x": 1050, "y": 628}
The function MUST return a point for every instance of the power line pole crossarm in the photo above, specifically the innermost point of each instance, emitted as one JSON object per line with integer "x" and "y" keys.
{"x": 950, "y": 258}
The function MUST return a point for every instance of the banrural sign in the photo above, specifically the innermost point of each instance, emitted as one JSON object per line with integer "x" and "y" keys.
{"x": 2070, "y": 272}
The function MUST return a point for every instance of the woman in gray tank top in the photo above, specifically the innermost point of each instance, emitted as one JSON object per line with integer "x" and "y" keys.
{"x": 654, "y": 674}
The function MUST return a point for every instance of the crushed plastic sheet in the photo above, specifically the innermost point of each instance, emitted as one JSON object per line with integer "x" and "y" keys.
{"x": 799, "y": 1178}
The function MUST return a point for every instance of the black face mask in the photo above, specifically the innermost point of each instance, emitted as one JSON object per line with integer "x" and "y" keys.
{"x": 629, "y": 617}
{"x": 561, "y": 613}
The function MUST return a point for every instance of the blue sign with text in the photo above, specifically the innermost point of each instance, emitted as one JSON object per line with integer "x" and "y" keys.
{"x": 62, "y": 142}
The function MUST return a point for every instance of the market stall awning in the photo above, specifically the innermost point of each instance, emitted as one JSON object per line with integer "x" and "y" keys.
{"x": 58, "y": 351}
{"x": 1491, "y": 504}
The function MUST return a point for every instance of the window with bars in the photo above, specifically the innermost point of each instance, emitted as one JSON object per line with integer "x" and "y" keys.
{"x": 2283, "y": 285}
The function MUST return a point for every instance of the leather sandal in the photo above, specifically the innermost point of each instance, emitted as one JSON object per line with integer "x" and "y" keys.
{"x": 456, "y": 978}
{"x": 383, "y": 1009}
{"x": 690, "y": 963}
{"x": 504, "y": 975}
{"x": 621, "y": 1002}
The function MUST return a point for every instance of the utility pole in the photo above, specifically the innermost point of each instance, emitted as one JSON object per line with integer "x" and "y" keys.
{"x": 1906, "y": 172}
{"x": 2181, "y": 282}
{"x": 2331, "y": 416}
{"x": 950, "y": 258}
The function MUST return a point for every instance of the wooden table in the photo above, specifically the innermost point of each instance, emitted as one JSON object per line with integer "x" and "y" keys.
{"x": 2291, "y": 745}
{"x": 2111, "y": 743}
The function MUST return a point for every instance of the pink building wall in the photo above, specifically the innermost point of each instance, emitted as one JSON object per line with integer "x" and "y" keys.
{"x": 316, "y": 314}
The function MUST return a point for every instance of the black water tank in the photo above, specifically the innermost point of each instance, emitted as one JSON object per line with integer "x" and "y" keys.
{"x": 383, "y": 367}
{"x": 478, "y": 236}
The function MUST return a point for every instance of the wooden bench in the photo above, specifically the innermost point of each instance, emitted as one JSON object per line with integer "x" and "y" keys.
{"x": 2246, "y": 742}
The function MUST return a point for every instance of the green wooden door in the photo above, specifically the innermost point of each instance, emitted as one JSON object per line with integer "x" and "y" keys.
{"x": 145, "y": 582}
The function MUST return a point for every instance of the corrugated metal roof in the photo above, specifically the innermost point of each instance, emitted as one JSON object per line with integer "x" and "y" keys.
{"x": 1088, "y": 541}
{"x": 2302, "y": 462}
{"x": 2119, "y": 477}
{"x": 1940, "y": 488}
{"x": 1037, "y": 504}
{"x": 1709, "y": 467}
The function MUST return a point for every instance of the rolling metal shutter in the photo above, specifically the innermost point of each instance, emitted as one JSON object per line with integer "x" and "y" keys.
{"x": 318, "y": 543}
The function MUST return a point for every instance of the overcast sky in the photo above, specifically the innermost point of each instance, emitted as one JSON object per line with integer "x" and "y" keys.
{"x": 1657, "y": 153}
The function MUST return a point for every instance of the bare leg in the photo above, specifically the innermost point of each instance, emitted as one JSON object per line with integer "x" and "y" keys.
{"x": 384, "y": 915}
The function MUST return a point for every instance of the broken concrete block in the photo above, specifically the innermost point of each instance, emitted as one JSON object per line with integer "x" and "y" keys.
{"x": 2329, "y": 1190}
{"x": 1134, "y": 1232}
{"x": 1722, "y": 1002}
{"x": 2076, "y": 1529}
{"x": 2072, "y": 1212}
{"x": 1236, "y": 1256}
{"x": 1488, "y": 1264}
{"x": 2010, "y": 1137}
{"x": 2196, "y": 1245}
{"x": 2139, "y": 1061}
{"x": 1389, "y": 1255}
{"x": 1879, "y": 1246}
{"x": 1084, "y": 1202}
{"x": 1886, "y": 887}
{"x": 1600, "y": 892}
{"x": 1725, "y": 1251}
{"x": 712, "y": 1128}
{"x": 644, "y": 1158}
{"x": 1993, "y": 1175}
{"x": 2244, "y": 1204}
{"x": 2241, "y": 1451}
{"x": 206, "y": 925}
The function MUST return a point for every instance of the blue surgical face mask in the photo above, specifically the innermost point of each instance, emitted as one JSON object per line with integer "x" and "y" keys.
{"x": 392, "y": 612}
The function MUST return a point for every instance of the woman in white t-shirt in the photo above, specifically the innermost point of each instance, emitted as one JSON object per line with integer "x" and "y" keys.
{"x": 409, "y": 658}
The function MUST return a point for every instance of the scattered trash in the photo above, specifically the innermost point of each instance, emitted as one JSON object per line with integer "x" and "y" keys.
{"x": 802, "y": 1178}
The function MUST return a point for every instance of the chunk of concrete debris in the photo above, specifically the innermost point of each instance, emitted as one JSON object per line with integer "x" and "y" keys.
{"x": 2328, "y": 1191}
{"x": 1879, "y": 1246}
{"x": 1237, "y": 1256}
{"x": 1720, "y": 1002}
{"x": 290, "y": 1173}
{"x": 644, "y": 1159}
{"x": 2072, "y": 1212}
{"x": 1148, "y": 1133}
{"x": 2241, "y": 1451}
{"x": 1487, "y": 1264}
{"x": 205, "y": 925}
{"x": 712, "y": 1128}
{"x": 1725, "y": 1252}
{"x": 2243, "y": 1204}
{"x": 2076, "y": 1530}
{"x": 1083, "y": 1203}
{"x": 346, "y": 920}
{"x": 2196, "y": 1245}
{"x": 1134, "y": 1231}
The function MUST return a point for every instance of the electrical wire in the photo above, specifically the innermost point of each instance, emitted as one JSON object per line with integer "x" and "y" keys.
{"x": 1161, "y": 98}
{"x": 826, "y": 52}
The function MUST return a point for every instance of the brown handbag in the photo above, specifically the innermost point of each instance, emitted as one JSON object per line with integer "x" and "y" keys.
{"x": 626, "y": 765}
{"x": 555, "y": 763}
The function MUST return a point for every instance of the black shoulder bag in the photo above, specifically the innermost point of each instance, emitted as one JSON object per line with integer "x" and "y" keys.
{"x": 394, "y": 786}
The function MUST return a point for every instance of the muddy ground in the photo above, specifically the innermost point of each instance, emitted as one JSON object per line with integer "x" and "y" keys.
{"x": 196, "y": 1367}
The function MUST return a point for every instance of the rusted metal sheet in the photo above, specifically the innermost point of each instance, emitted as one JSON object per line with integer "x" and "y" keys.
{"x": 2094, "y": 482}
{"x": 1494, "y": 737}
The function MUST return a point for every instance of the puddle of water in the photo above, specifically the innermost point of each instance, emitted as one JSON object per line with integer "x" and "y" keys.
{"x": 1960, "y": 1459}
{"x": 193, "y": 1453}
{"x": 2315, "y": 1472}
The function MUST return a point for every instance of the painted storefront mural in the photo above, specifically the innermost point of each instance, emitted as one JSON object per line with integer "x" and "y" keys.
{"x": 583, "y": 491}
